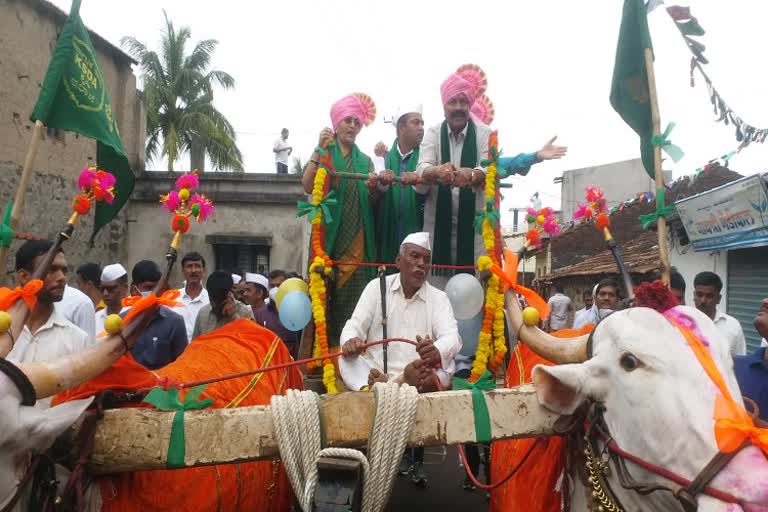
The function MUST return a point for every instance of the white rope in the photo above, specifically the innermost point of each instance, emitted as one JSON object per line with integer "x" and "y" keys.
{"x": 296, "y": 422}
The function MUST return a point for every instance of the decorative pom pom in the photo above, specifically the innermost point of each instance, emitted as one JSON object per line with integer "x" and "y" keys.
{"x": 656, "y": 296}
{"x": 171, "y": 201}
{"x": 81, "y": 205}
{"x": 190, "y": 181}
{"x": 540, "y": 219}
{"x": 533, "y": 237}
{"x": 203, "y": 205}
{"x": 180, "y": 223}
{"x": 602, "y": 221}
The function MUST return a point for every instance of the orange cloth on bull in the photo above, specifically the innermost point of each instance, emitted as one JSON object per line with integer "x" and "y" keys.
{"x": 238, "y": 346}
{"x": 533, "y": 486}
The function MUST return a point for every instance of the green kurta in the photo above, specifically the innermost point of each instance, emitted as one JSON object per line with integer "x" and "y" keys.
{"x": 401, "y": 210}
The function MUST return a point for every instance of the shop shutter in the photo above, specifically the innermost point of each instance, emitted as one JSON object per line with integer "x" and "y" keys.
{"x": 747, "y": 287}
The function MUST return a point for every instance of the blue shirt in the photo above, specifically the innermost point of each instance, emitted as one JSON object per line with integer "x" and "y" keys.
{"x": 162, "y": 341}
{"x": 519, "y": 164}
{"x": 752, "y": 375}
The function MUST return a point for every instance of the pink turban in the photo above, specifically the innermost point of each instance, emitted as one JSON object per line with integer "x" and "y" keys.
{"x": 482, "y": 110}
{"x": 468, "y": 80}
{"x": 357, "y": 105}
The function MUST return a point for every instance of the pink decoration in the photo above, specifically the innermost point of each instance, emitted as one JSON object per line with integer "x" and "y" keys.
{"x": 583, "y": 213}
{"x": 468, "y": 80}
{"x": 551, "y": 226}
{"x": 171, "y": 201}
{"x": 357, "y": 105}
{"x": 206, "y": 206}
{"x": 87, "y": 179}
{"x": 189, "y": 181}
{"x": 482, "y": 110}
{"x": 686, "y": 321}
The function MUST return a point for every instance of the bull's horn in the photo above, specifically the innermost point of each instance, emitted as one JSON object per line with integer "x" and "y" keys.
{"x": 72, "y": 370}
{"x": 557, "y": 350}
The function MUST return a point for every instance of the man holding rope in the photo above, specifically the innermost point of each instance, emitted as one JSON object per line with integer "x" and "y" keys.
{"x": 414, "y": 310}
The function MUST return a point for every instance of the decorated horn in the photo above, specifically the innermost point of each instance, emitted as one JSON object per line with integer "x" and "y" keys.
{"x": 557, "y": 350}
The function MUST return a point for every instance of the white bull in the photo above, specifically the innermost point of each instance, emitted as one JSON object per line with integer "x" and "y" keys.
{"x": 25, "y": 428}
{"x": 658, "y": 402}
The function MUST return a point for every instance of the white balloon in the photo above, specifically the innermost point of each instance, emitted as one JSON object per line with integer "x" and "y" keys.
{"x": 466, "y": 296}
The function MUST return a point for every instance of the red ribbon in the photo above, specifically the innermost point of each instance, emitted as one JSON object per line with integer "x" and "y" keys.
{"x": 139, "y": 304}
{"x": 28, "y": 294}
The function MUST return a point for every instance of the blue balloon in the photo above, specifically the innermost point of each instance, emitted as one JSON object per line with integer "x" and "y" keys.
{"x": 295, "y": 310}
{"x": 469, "y": 330}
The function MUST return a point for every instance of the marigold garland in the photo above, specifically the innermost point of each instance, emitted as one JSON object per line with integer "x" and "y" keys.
{"x": 317, "y": 288}
{"x": 491, "y": 345}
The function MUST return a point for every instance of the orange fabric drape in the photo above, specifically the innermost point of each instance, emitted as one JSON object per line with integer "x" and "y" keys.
{"x": 263, "y": 486}
{"x": 533, "y": 487}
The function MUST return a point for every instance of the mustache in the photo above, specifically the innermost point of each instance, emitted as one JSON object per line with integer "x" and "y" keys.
{"x": 458, "y": 113}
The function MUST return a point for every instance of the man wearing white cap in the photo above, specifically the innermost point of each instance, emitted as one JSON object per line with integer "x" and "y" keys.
{"x": 401, "y": 209}
{"x": 256, "y": 291}
{"x": 114, "y": 288}
{"x": 416, "y": 310}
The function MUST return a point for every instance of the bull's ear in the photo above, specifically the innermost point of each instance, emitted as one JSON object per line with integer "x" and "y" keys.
{"x": 560, "y": 388}
{"x": 36, "y": 429}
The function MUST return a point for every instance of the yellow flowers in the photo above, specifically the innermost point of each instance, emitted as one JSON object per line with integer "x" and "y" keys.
{"x": 317, "y": 289}
{"x": 491, "y": 346}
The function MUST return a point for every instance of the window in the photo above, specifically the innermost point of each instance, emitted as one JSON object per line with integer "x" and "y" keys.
{"x": 241, "y": 251}
{"x": 247, "y": 258}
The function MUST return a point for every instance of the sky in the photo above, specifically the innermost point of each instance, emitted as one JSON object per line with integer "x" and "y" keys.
{"x": 549, "y": 65}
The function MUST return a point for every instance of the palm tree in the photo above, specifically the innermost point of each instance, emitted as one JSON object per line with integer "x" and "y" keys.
{"x": 178, "y": 91}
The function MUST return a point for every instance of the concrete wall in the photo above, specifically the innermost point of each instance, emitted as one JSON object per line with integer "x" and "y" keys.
{"x": 247, "y": 205}
{"x": 620, "y": 181}
{"x": 28, "y": 34}
{"x": 691, "y": 263}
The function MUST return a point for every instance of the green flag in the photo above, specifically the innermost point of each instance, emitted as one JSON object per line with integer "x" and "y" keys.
{"x": 630, "y": 95}
{"x": 74, "y": 97}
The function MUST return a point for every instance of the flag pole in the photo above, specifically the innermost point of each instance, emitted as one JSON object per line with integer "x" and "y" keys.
{"x": 18, "y": 202}
{"x": 656, "y": 120}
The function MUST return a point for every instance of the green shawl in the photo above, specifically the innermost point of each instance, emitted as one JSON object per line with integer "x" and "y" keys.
{"x": 399, "y": 206}
{"x": 359, "y": 166}
{"x": 465, "y": 243}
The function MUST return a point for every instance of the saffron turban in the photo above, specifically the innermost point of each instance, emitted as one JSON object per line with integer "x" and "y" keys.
{"x": 468, "y": 80}
{"x": 357, "y": 105}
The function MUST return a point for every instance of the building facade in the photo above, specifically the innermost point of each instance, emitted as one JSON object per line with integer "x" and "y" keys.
{"x": 29, "y": 30}
{"x": 254, "y": 229}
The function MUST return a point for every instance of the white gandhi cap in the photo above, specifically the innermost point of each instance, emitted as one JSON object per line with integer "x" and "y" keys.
{"x": 112, "y": 272}
{"x": 257, "y": 279}
{"x": 420, "y": 239}
{"x": 236, "y": 279}
{"x": 407, "y": 109}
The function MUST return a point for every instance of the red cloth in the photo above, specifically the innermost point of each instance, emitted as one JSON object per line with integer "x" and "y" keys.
{"x": 263, "y": 486}
{"x": 533, "y": 486}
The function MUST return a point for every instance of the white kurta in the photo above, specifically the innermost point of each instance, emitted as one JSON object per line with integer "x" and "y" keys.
{"x": 429, "y": 155}
{"x": 191, "y": 308}
{"x": 78, "y": 308}
{"x": 428, "y": 312}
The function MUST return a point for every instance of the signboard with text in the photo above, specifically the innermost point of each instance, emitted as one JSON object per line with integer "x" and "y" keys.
{"x": 731, "y": 216}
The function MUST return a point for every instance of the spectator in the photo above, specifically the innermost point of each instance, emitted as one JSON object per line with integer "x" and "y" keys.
{"x": 165, "y": 337}
{"x": 582, "y": 315}
{"x": 114, "y": 288}
{"x": 223, "y": 307}
{"x": 193, "y": 295}
{"x": 706, "y": 296}
{"x": 88, "y": 281}
{"x": 282, "y": 151}
{"x": 677, "y": 285}
{"x": 238, "y": 285}
{"x": 256, "y": 294}
{"x": 47, "y": 335}
{"x": 752, "y": 370}
{"x": 78, "y": 308}
{"x": 276, "y": 278}
{"x": 561, "y": 316}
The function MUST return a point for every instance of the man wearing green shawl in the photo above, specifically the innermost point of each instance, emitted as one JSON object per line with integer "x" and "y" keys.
{"x": 449, "y": 161}
{"x": 350, "y": 231}
{"x": 400, "y": 211}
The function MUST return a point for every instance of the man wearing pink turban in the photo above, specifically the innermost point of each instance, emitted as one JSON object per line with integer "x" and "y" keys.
{"x": 350, "y": 232}
{"x": 449, "y": 158}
